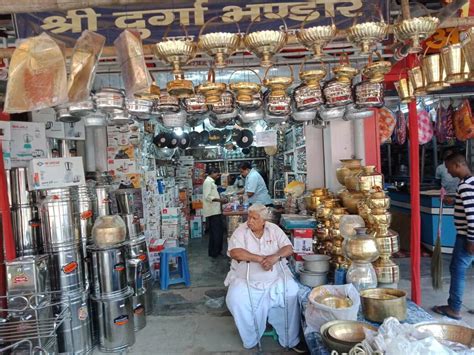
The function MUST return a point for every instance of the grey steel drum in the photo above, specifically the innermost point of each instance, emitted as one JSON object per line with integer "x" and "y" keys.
{"x": 66, "y": 270}
{"x": 126, "y": 200}
{"x": 148, "y": 284}
{"x": 59, "y": 212}
{"x": 133, "y": 225}
{"x": 19, "y": 191}
{"x": 116, "y": 323}
{"x": 26, "y": 227}
{"x": 87, "y": 211}
{"x": 109, "y": 270}
{"x": 137, "y": 249}
{"x": 139, "y": 312}
{"x": 75, "y": 334}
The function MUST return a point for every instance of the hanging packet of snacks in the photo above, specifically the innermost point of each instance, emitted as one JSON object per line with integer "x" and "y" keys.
{"x": 464, "y": 122}
{"x": 444, "y": 128}
{"x": 37, "y": 75}
{"x": 400, "y": 132}
{"x": 131, "y": 58}
{"x": 425, "y": 126}
{"x": 85, "y": 58}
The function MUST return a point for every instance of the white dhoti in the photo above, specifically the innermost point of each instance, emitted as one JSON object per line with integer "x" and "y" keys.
{"x": 268, "y": 301}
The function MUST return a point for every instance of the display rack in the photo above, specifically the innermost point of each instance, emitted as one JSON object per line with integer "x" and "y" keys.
{"x": 295, "y": 154}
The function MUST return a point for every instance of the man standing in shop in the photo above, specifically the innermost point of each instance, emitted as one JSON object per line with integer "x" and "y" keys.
{"x": 255, "y": 187}
{"x": 463, "y": 252}
{"x": 212, "y": 211}
{"x": 449, "y": 183}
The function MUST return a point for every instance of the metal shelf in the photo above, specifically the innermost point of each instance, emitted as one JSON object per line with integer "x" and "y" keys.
{"x": 228, "y": 159}
{"x": 209, "y": 161}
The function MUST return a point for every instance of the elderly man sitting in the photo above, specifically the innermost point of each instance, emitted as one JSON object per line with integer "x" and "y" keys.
{"x": 257, "y": 279}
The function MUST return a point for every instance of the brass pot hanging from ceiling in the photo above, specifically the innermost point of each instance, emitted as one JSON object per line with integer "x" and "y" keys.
{"x": 367, "y": 34}
{"x": 315, "y": 38}
{"x": 468, "y": 50}
{"x": 405, "y": 90}
{"x": 454, "y": 62}
{"x": 246, "y": 92}
{"x": 376, "y": 71}
{"x": 180, "y": 87}
{"x": 434, "y": 71}
{"x": 219, "y": 45}
{"x": 177, "y": 52}
{"x": 344, "y": 72}
{"x": 266, "y": 43}
{"x": 308, "y": 95}
{"x": 278, "y": 84}
{"x": 211, "y": 90}
{"x": 417, "y": 79}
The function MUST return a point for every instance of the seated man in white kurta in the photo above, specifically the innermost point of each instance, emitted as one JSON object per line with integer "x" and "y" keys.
{"x": 262, "y": 245}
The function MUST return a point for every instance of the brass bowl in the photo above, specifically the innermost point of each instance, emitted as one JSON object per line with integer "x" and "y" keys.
{"x": 376, "y": 71}
{"x": 175, "y": 52}
{"x": 381, "y": 303}
{"x": 379, "y": 203}
{"x": 180, "y": 88}
{"x": 352, "y": 329}
{"x": 367, "y": 34}
{"x": 313, "y": 77}
{"x": 387, "y": 271}
{"x": 265, "y": 44}
{"x": 219, "y": 45}
{"x": 212, "y": 91}
{"x": 245, "y": 91}
{"x": 449, "y": 332}
{"x": 422, "y": 27}
{"x": 345, "y": 73}
{"x": 361, "y": 249}
{"x": 351, "y": 201}
{"x": 316, "y": 37}
{"x": 334, "y": 301}
{"x": 278, "y": 85}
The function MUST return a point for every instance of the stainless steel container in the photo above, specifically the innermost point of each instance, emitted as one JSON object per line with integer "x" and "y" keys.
{"x": 133, "y": 225}
{"x": 26, "y": 227}
{"x": 59, "y": 213}
{"x": 66, "y": 269}
{"x": 148, "y": 283}
{"x": 135, "y": 276}
{"x": 75, "y": 334}
{"x": 116, "y": 321}
{"x": 126, "y": 200}
{"x": 9, "y": 186}
{"x": 137, "y": 249}
{"x": 103, "y": 200}
{"x": 109, "y": 270}
{"x": 139, "y": 311}
{"x": 87, "y": 210}
{"x": 20, "y": 194}
{"x": 28, "y": 274}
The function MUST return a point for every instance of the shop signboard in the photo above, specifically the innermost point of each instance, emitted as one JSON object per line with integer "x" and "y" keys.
{"x": 155, "y": 20}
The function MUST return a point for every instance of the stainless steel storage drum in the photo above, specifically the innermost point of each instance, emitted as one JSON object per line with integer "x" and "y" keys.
{"x": 135, "y": 276}
{"x": 66, "y": 269}
{"x": 139, "y": 312}
{"x": 28, "y": 274}
{"x": 103, "y": 200}
{"x": 137, "y": 249}
{"x": 116, "y": 321}
{"x": 148, "y": 283}
{"x": 109, "y": 270}
{"x": 75, "y": 335}
{"x": 87, "y": 210}
{"x": 59, "y": 213}
{"x": 132, "y": 222}
{"x": 20, "y": 194}
{"x": 126, "y": 200}
{"x": 26, "y": 227}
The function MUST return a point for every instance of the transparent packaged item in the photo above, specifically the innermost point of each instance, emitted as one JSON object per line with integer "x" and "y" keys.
{"x": 362, "y": 276}
{"x": 109, "y": 230}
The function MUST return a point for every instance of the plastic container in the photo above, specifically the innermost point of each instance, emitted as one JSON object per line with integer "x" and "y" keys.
{"x": 109, "y": 230}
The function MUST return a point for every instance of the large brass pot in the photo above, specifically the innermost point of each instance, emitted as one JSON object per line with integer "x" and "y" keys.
{"x": 434, "y": 72}
{"x": 351, "y": 201}
{"x": 378, "y": 200}
{"x": 369, "y": 179}
{"x": 404, "y": 90}
{"x": 349, "y": 166}
{"x": 180, "y": 88}
{"x": 388, "y": 244}
{"x": 361, "y": 248}
{"x": 381, "y": 303}
{"x": 417, "y": 80}
{"x": 455, "y": 64}
{"x": 387, "y": 271}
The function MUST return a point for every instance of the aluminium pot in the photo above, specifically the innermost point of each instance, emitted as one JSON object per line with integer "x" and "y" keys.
{"x": 109, "y": 270}
{"x": 82, "y": 109}
{"x": 303, "y": 116}
{"x": 195, "y": 105}
{"x": 126, "y": 199}
{"x": 251, "y": 116}
{"x": 167, "y": 103}
{"x": 174, "y": 120}
{"x": 95, "y": 120}
{"x": 222, "y": 120}
{"x": 137, "y": 249}
{"x": 116, "y": 321}
{"x": 132, "y": 224}
{"x": 139, "y": 108}
{"x": 316, "y": 263}
{"x": 139, "y": 311}
{"x": 110, "y": 100}
{"x": 119, "y": 119}
{"x": 26, "y": 227}
{"x": 313, "y": 279}
{"x": 330, "y": 114}
{"x": 66, "y": 270}
{"x": 63, "y": 115}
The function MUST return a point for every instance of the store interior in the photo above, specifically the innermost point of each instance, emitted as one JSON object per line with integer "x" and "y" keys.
{"x": 116, "y": 122}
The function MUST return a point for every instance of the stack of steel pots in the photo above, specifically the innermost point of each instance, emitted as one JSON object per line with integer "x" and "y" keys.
{"x": 111, "y": 294}
{"x": 137, "y": 246}
{"x": 61, "y": 231}
{"x": 26, "y": 224}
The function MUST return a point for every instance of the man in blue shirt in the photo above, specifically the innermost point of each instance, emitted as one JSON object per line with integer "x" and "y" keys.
{"x": 255, "y": 187}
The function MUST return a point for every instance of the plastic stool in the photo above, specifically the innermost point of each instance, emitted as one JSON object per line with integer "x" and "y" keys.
{"x": 271, "y": 333}
{"x": 182, "y": 272}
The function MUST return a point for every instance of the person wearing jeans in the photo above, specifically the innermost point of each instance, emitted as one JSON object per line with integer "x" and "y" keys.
{"x": 463, "y": 252}
{"x": 213, "y": 213}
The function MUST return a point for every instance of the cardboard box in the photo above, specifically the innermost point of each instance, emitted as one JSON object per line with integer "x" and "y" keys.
{"x": 56, "y": 173}
{"x": 55, "y": 130}
{"x": 7, "y": 160}
{"x": 118, "y": 153}
{"x": 28, "y": 141}
{"x": 170, "y": 215}
{"x": 302, "y": 245}
{"x": 5, "y": 131}
{"x": 75, "y": 131}
{"x": 196, "y": 227}
{"x": 170, "y": 231}
{"x": 302, "y": 233}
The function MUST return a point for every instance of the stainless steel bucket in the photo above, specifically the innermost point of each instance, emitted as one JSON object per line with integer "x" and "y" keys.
{"x": 137, "y": 249}
{"x": 126, "y": 200}
{"x": 139, "y": 311}
{"x": 26, "y": 227}
{"x": 133, "y": 225}
{"x": 20, "y": 194}
{"x": 148, "y": 283}
{"x": 116, "y": 322}
{"x": 28, "y": 274}
{"x": 66, "y": 270}
{"x": 103, "y": 200}
{"x": 59, "y": 213}
{"x": 75, "y": 334}
{"x": 109, "y": 270}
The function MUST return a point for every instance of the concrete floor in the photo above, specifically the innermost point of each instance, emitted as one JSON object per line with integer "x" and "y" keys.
{"x": 195, "y": 321}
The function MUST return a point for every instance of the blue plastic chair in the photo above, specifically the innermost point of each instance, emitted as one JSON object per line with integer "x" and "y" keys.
{"x": 182, "y": 272}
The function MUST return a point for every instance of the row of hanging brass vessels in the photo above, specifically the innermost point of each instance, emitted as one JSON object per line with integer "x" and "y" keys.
{"x": 364, "y": 195}
{"x": 454, "y": 64}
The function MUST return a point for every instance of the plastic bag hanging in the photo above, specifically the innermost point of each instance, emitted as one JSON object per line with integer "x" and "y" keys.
{"x": 135, "y": 75}
{"x": 37, "y": 75}
{"x": 84, "y": 61}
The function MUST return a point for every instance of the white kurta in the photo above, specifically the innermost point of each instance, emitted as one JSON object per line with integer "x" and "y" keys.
{"x": 266, "y": 289}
